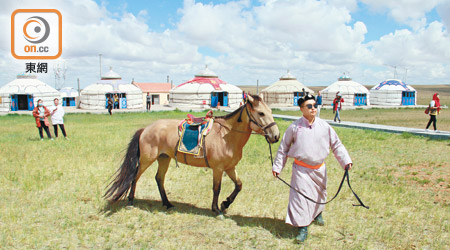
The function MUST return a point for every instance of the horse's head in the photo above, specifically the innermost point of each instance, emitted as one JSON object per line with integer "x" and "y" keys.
{"x": 261, "y": 119}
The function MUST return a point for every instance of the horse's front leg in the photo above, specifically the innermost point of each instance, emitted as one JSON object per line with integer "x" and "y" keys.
{"x": 217, "y": 180}
{"x": 237, "y": 188}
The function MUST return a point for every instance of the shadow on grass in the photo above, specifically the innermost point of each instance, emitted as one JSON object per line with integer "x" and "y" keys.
{"x": 275, "y": 226}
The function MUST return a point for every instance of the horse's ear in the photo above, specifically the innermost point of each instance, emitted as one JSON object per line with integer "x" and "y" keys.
{"x": 250, "y": 98}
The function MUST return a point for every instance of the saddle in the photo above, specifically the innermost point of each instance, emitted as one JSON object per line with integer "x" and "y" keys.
{"x": 192, "y": 132}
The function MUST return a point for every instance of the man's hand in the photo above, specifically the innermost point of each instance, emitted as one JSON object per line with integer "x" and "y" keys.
{"x": 275, "y": 174}
{"x": 349, "y": 166}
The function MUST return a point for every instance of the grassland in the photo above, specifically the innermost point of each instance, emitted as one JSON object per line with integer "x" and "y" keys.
{"x": 51, "y": 193}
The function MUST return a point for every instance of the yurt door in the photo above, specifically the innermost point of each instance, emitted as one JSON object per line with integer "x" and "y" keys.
{"x": 224, "y": 98}
{"x": 214, "y": 99}
{"x": 297, "y": 95}
{"x": 14, "y": 102}
{"x": 30, "y": 100}
{"x": 360, "y": 99}
{"x": 72, "y": 101}
{"x": 408, "y": 98}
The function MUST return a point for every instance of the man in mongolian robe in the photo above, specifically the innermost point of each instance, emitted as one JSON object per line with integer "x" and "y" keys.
{"x": 308, "y": 140}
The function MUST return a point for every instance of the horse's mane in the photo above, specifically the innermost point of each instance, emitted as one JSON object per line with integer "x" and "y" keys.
{"x": 227, "y": 116}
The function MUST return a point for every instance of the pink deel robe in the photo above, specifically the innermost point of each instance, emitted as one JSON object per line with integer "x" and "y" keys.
{"x": 310, "y": 144}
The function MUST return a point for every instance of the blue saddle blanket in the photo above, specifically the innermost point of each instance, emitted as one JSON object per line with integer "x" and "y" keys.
{"x": 192, "y": 136}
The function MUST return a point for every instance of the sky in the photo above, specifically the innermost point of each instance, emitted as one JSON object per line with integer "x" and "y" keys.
{"x": 244, "y": 42}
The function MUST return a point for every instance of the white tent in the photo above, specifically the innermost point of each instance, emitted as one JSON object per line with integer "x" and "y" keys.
{"x": 23, "y": 93}
{"x": 354, "y": 94}
{"x": 95, "y": 95}
{"x": 204, "y": 91}
{"x": 285, "y": 92}
{"x": 393, "y": 92}
{"x": 68, "y": 95}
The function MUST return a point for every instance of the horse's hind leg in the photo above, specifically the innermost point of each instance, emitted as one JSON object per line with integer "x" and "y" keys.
{"x": 163, "y": 166}
{"x": 143, "y": 165}
{"x": 237, "y": 188}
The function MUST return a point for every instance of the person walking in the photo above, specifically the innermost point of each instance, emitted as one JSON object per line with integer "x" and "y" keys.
{"x": 308, "y": 140}
{"x": 110, "y": 105}
{"x": 319, "y": 103}
{"x": 337, "y": 106}
{"x": 57, "y": 115}
{"x": 434, "y": 109}
{"x": 41, "y": 114}
{"x": 149, "y": 101}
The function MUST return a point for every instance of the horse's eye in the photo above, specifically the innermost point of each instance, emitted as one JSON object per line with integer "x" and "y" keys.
{"x": 261, "y": 113}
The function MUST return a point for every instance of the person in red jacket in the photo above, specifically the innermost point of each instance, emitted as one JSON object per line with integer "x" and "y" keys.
{"x": 337, "y": 106}
{"x": 41, "y": 113}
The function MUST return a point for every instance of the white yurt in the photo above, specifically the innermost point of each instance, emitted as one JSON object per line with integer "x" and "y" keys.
{"x": 95, "y": 96}
{"x": 285, "y": 92}
{"x": 393, "y": 92}
{"x": 68, "y": 95}
{"x": 354, "y": 94}
{"x": 204, "y": 91}
{"x": 24, "y": 92}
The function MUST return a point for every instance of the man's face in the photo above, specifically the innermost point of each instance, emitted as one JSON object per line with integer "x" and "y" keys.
{"x": 56, "y": 102}
{"x": 308, "y": 108}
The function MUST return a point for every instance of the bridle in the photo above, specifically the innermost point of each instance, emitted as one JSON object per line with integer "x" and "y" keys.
{"x": 253, "y": 120}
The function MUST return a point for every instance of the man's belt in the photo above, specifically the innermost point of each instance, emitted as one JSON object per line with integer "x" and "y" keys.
{"x": 303, "y": 164}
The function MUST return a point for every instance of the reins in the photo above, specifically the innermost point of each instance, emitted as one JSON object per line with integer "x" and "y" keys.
{"x": 346, "y": 176}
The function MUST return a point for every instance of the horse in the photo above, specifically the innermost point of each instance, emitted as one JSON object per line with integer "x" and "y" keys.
{"x": 223, "y": 146}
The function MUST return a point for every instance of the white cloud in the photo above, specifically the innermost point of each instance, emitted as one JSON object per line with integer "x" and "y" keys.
{"x": 316, "y": 40}
{"x": 405, "y": 11}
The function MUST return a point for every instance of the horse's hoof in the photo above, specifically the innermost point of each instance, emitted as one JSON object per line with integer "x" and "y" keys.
{"x": 223, "y": 209}
{"x": 220, "y": 216}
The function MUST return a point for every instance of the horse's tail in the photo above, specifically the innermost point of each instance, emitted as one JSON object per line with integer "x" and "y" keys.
{"x": 126, "y": 174}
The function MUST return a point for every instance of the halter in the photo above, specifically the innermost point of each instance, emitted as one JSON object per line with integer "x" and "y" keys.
{"x": 252, "y": 119}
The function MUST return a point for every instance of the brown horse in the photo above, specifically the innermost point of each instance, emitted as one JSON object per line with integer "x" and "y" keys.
{"x": 224, "y": 144}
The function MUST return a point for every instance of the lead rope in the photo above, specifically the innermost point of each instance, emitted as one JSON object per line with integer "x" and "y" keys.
{"x": 346, "y": 175}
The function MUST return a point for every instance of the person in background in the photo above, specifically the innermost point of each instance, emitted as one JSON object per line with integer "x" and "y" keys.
{"x": 319, "y": 103}
{"x": 116, "y": 101}
{"x": 57, "y": 118}
{"x": 337, "y": 106}
{"x": 41, "y": 113}
{"x": 110, "y": 105}
{"x": 308, "y": 140}
{"x": 149, "y": 101}
{"x": 434, "y": 110}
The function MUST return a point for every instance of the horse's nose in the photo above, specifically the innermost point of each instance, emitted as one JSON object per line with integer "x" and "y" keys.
{"x": 277, "y": 137}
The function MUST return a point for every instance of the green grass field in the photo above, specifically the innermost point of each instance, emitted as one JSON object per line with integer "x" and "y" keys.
{"x": 51, "y": 193}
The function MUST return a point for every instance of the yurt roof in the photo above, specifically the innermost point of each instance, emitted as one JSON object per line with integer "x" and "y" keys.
{"x": 287, "y": 84}
{"x": 27, "y": 84}
{"x": 206, "y": 81}
{"x": 345, "y": 85}
{"x": 392, "y": 84}
{"x": 111, "y": 75}
{"x": 111, "y": 86}
{"x": 68, "y": 92}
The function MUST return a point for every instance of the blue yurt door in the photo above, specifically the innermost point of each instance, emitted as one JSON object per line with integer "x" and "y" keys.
{"x": 214, "y": 99}
{"x": 30, "y": 101}
{"x": 72, "y": 101}
{"x": 360, "y": 99}
{"x": 408, "y": 98}
{"x": 14, "y": 103}
{"x": 297, "y": 96}
{"x": 225, "y": 99}
{"x": 123, "y": 103}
